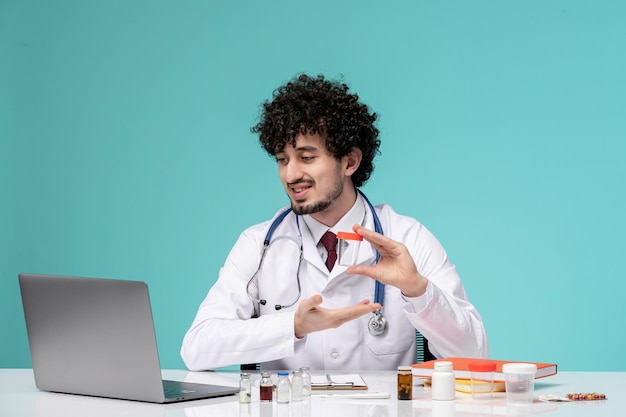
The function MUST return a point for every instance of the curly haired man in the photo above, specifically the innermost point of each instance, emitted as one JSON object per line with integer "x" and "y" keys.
{"x": 282, "y": 300}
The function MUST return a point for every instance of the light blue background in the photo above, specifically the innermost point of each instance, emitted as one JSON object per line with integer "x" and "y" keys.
{"x": 125, "y": 149}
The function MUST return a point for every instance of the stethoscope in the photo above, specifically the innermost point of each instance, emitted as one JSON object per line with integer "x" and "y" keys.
{"x": 377, "y": 324}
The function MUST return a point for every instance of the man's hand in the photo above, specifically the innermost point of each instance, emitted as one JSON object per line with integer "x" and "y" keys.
{"x": 396, "y": 267}
{"x": 310, "y": 317}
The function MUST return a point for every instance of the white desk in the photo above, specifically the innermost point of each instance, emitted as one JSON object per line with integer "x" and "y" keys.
{"x": 19, "y": 397}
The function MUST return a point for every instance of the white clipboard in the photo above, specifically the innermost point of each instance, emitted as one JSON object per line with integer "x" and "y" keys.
{"x": 338, "y": 382}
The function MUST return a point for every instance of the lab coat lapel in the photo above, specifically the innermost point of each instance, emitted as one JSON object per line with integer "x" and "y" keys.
{"x": 309, "y": 250}
{"x": 367, "y": 254}
{"x": 312, "y": 256}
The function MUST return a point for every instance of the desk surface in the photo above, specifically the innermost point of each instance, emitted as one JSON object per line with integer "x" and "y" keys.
{"x": 19, "y": 397}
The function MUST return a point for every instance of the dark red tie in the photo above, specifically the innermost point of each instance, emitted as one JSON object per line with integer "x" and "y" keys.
{"x": 329, "y": 240}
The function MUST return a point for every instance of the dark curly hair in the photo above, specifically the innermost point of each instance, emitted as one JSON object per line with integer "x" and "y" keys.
{"x": 308, "y": 105}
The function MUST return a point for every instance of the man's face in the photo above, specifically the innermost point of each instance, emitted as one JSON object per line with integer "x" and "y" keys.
{"x": 313, "y": 179}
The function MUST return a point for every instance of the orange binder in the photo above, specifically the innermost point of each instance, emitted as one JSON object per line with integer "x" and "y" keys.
{"x": 461, "y": 370}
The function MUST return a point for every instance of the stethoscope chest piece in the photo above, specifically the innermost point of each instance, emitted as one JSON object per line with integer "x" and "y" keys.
{"x": 377, "y": 324}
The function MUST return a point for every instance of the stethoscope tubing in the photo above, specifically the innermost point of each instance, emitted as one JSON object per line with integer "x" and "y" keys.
{"x": 377, "y": 324}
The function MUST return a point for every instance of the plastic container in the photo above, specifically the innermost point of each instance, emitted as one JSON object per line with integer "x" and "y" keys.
{"x": 443, "y": 384}
{"x": 481, "y": 379}
{"x": 405, "y": 383}
{"x": 519, "y": 379}
{"x": 348, "y": 245}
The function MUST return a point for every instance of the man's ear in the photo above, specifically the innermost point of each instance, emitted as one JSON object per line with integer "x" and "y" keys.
{"x": 352, "y": 161}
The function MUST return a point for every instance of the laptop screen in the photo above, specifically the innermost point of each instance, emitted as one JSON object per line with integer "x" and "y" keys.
{"x": 93, "y": 336}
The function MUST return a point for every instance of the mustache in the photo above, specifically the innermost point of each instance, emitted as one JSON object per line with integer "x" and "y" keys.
{"x": 300, "y": 181}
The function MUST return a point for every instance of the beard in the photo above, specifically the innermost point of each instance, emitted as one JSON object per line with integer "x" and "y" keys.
{"x": 318, "y": 206}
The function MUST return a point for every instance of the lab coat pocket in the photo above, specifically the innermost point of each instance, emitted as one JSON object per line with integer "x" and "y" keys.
{"x": 391, "y": 344}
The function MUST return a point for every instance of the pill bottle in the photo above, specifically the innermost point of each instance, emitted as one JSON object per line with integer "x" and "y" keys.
{"x": 266, "y": 387}
{"x": 443, "y": 383}
{"x": 405, "y": 383}
{"x": 283, "y": 388}
{"x": 348, "y": 245}
{"x": 245, "y": 389}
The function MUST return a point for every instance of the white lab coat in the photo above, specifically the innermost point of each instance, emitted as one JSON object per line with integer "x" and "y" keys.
{"x": 223, "y": 332}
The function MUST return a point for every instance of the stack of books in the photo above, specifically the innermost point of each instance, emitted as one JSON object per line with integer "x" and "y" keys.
{"x": 463, "y": 375}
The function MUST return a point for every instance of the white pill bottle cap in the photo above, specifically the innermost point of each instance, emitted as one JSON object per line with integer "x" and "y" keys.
{"x": 443, "y": 366}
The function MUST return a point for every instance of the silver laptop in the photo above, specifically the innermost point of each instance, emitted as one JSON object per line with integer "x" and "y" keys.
{"x": 96, "y": 337}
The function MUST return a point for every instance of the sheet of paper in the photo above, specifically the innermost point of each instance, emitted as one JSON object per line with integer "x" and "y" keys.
{"x": 355, "y": 379}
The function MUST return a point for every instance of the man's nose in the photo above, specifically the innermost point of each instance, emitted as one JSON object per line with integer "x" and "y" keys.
{"x": 292, "y": 172}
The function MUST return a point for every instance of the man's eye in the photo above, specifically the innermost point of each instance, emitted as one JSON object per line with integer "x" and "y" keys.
{"x": 308, "y": 158}
{"x": 281, "y": 161}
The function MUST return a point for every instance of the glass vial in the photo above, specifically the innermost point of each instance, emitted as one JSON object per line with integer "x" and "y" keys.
{"x": 266, "y": 387}
{"x": 297, "y": 386}
{"x": 306, "y": 381}
{"x": 443, "y": 381}
{"x": 405, "y": 383}
{"x": 245, "y": 409}
{"x": 245, "y": 389}
{"x": 283, "y": 388}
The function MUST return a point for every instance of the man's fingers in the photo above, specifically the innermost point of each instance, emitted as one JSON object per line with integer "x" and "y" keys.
{"x": 316, "y": 299}
{"x": 351, "y": 313}
{"x": 312, "y": 302}
{"x": 366, "y": 270}
{"x": 311, "y": 317}
{"x": 381, "y": 243}
{"x": 371, "y": 236}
